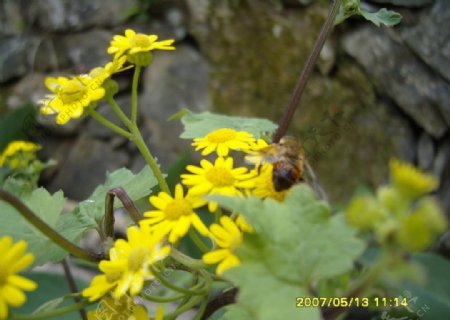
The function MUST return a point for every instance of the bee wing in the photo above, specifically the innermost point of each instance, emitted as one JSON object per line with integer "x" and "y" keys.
{"x": 261, "y": 156}
{"x": 314, "y": 182}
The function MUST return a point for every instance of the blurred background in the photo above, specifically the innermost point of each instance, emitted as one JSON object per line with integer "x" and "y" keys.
{"x": 376, "y": 93}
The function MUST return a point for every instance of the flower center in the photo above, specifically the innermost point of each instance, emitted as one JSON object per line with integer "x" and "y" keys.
{"x": 136, "y": 259}
{"x": 72, "y": 91}
{"x": 220, "y": 177}
{"x": 221, "y": 135}
{"x": 140, "y": 40}
{"x": 177, "y": 208}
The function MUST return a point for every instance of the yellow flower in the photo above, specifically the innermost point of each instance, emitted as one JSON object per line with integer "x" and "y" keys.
{"x": 222, "y": 140}
{"x": 134, "y": 42}
{"x": 13, "y": 259}
{"x": 228, "y": 237}
{"x": 175, "y": 215}
{"x": 263, "y": 183}
{"x": 129, "y": 264}
{"x": 71, "y": 96}
{"x": 365, "y": 212}
{"x": 409, "y": 180}
{"x": 118, "y": 309}
{"x": 18, "y": 154}
{"x": 217, "y": 178}
{"x": 419, "y": 228}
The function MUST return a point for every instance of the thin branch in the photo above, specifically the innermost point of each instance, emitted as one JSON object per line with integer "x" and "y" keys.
{"x": 222, "y": 300}
{"x": 306, "y": 72}
{"x": 73, "y": 286}
{"x": 48, "y": 231}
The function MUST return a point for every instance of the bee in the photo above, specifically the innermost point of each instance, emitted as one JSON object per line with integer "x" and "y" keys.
{"x": 287, "y": 160}
{"x": 289, "y": 165}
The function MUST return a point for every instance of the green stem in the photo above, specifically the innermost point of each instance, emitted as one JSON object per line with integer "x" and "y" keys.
{"x": 139, "y": 141}
{"x": 161, "y": 299}
{"x": 49, "y": 232}
{"x": 52, "y": 313}
{"x": 116, "y": 108}
{"x": 134, "y": 94}
{"x": 198, "y": 242}
{"x": 201, "y": 310}
{"x": 187, "y": 261}
{"x": 192, "y": 291}
{"x": 108, "y": 123}
{"x": 307, "y": 71}
{"x": 187, "y": 306}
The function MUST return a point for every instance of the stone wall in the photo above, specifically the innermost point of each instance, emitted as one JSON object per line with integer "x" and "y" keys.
{"x": 376, "y": 92}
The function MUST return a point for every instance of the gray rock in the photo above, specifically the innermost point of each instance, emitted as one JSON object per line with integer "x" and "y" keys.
{"x": 63, "y": 15}
{"x": 406, "y": 3}
{"x": 397, "y": 72}
{"x": 86, "y": 50}
{"x": 425, "y": 151}
{"x": 83, "y": 167}
{"x": 29, "y": 89}
{"x": 11, "y": 19}
{"x": 13, "y": 57}
{"x": 174, "y": 81}
{"x": 430, "y": 38}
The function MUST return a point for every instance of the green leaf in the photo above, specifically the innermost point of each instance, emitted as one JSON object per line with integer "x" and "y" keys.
{"x": 52, "y": 292}
{"x": 265, "y": 296}
{"x": 430, "y": 300}
{"x": 16, "y": 124}
{"x": 48, "y": 207}
{"x": 200, "y": 124}
{"x": 295, "y": 243}
{"x": 387, "y": 17}
{"x": 137, "y": 186}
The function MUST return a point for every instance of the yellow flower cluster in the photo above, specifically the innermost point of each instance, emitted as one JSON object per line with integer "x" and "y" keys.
{"x": 19, "y": 154}
{"x": 13, "y": 259}
{"x": 70, "y": 96}
{"x": 174, "y": 216}
{"x": 401, "y": 214}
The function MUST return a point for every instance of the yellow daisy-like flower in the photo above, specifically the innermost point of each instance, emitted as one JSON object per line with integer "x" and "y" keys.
{"x": 222, "y": 140}
{"x": 263, "y": 183}
{"x": 218, "y": 178}
{"x": 175, "y": 215}
{"x": 134, "y": 42}
{"x": 71, "y": 96}
{"x": 409, "y": 180}
{"x": 129, "y": 264}
{"x": 18, "y": 154}
{"x": 123, "y": 308}
{"x": 13, "y": 259}
{"x": 228, "y": 237}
